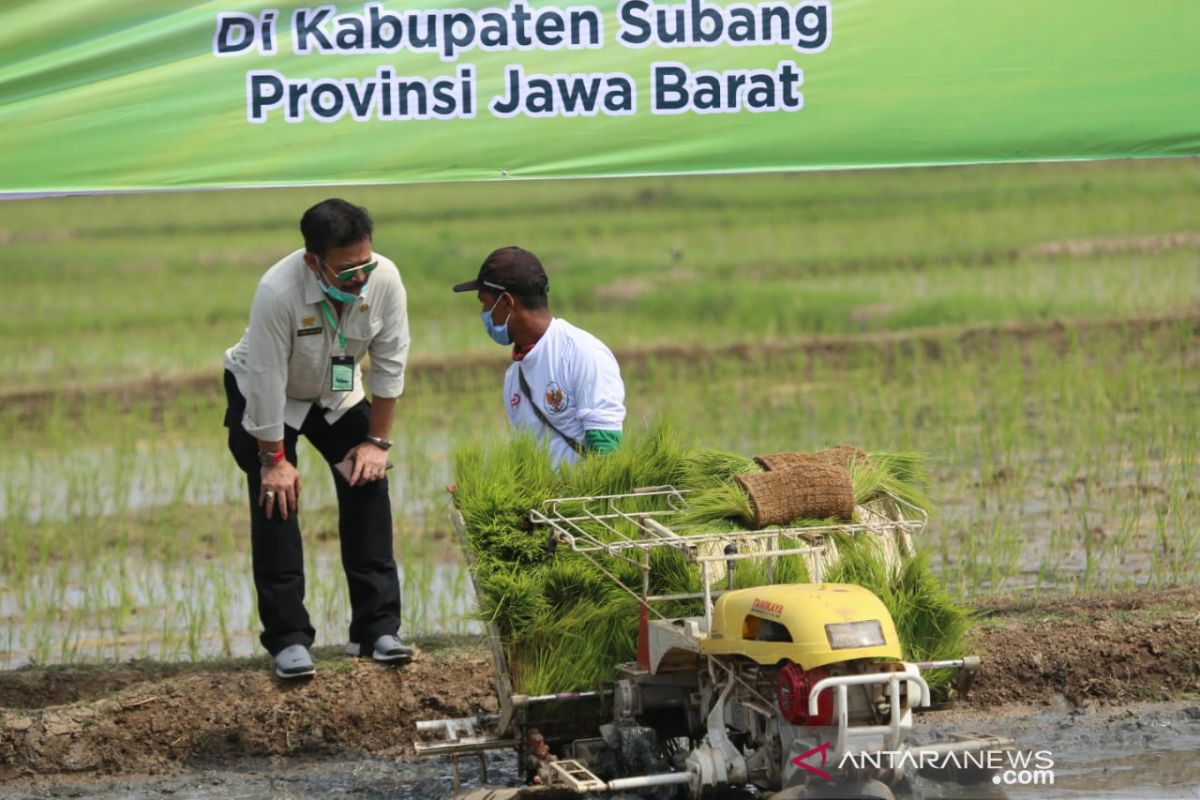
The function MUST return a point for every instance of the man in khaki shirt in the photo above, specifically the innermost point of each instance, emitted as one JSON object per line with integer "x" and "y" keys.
{"x": 296, "y": 371}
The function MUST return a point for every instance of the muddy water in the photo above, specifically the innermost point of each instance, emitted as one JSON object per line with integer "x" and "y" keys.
{"x": 1150, "y": 752}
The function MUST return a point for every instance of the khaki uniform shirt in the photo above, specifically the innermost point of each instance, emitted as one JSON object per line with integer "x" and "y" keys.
{"x": 282, "y": 363}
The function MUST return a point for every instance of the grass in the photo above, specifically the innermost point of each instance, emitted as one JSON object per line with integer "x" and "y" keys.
{"x": 1061, "y": 460}
{"x": 635, "y": 261}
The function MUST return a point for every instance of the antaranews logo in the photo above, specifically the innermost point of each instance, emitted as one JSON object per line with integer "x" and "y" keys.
{"x": 1026, "y": 768}
{"x": 1011, "y": 767}
{"x": 824, "y": 751}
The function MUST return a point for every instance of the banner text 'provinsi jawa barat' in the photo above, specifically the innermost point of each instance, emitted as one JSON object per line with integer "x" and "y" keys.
{"x": 450, "y": 34}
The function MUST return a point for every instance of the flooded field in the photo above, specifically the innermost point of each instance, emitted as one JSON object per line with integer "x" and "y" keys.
{"x": 120, "y": 605}
{"x": 1127, "y": 530}
{"x": 1148, "y": 752}
{"x": 1033, "y": 331}
{"x": 209, "y": 609}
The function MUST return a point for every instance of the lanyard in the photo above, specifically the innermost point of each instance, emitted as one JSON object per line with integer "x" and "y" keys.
{"x": 332, "y": 323}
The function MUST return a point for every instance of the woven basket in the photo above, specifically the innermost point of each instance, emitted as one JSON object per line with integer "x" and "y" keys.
{"x": 815, "y": 490}
{"x": 843, "y": 456}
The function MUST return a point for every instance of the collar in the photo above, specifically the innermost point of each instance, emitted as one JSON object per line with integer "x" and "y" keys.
{"x": 313, "y": 293}
{"x": 519, "y": 353}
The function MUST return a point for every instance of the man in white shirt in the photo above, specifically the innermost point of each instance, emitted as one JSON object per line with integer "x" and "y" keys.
{"x": 296, "y": 371}
{"x": 564, "y": 385}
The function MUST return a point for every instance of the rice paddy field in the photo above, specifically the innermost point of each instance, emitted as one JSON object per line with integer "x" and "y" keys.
{"x": 1033, "y": 330}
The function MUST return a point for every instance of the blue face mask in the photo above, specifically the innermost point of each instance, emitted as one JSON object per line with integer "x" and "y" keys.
{"x": 498, "y": 333}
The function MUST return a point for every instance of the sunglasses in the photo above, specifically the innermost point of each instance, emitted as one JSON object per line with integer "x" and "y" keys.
{"x": 347, "y": 274}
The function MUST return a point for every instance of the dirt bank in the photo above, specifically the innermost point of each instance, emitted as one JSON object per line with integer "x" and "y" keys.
{"x": 1056, "y": 652}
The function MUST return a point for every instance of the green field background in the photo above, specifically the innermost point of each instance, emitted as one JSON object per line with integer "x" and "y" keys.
{"x": 1032, "y": 328}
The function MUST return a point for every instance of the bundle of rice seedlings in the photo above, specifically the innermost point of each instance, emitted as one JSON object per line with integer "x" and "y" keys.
{"x": 575, "y": 650}
{"x": 902, "y": 475}
{"x": 496, "y": 487}
{"x": 929, "y": 622}
{"x": 857, "y": 563}
{"x": 709, "y": 475}
{"x": 670, "y": 573}
{"x": 710, "y": 469}
{"x": 646, "y": 458}
{"x": 791, "y": 569}
{"x": 564, "y": 622}
{"x": 720, "y": 504}
{"x": 570, "y": 581}
{"x": 514, "y": 601}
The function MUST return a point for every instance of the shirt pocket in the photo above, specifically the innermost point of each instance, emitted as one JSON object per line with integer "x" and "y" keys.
{"x": 306, "y": 367}
{"x": 360, "y": 329}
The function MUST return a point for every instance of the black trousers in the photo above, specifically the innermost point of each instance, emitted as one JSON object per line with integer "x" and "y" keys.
{"x": 364, "y": 529}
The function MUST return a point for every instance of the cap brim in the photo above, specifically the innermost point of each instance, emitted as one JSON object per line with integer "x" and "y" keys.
{"x": 469, "y": 286}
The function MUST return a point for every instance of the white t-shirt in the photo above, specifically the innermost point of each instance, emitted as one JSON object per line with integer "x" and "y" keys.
{"x": 575, "y": 381}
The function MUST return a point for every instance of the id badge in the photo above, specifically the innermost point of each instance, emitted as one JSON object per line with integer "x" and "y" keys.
{"x": 341, "y": 374}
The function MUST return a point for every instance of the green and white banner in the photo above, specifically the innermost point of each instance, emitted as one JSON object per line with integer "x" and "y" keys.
{"x": 102, "y": 95}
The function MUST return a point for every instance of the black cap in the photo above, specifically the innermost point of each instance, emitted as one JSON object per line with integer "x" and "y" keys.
{"x": 509, "y": 269}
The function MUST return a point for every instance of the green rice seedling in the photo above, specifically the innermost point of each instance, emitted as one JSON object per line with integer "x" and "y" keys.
{"x": 649, "y": 457}
{"x": 704, "y": 469}
{"x": 751, "y": 573}
{"x": 902, "y": 475}
{"x": 930, "y": 623}
{"x": 570, "y": 581}
{"x": 670, "y": 573}
{"x": 858, "y": 563}
{"x": 722, "y": 504}
{"x": 791, "y": 569}
{"x": 513, "y": 600}
{"x": 576, "y": 650}
{"x": 496, "y": 488}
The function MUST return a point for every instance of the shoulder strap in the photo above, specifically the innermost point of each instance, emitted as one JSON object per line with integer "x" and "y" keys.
{"x": 572, "y": 443}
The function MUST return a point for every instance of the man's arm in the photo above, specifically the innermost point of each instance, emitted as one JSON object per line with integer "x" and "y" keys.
{"x": 269, "y": 341}
{"x": 389, "y": 348}
{"x": 389, "y": 356}
{"x": 601, "y": 399}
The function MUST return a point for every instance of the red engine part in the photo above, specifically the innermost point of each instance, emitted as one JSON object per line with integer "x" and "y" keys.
{"x": 795, "y": 684}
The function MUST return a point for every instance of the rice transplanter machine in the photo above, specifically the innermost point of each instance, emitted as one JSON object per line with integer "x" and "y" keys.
{"x": 781, "y": 687}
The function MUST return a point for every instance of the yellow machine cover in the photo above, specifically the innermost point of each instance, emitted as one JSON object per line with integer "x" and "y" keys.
{"x": 758, "y": 623}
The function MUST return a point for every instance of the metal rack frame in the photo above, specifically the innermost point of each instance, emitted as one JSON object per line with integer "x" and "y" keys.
{"x": 592, "y": 525}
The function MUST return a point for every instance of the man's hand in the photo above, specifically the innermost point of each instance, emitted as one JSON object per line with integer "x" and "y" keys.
{"x": 370, "y": 463}
{"x": 280, "y": 489}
